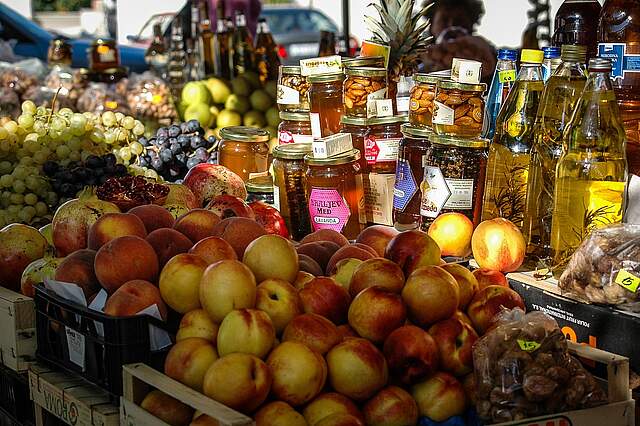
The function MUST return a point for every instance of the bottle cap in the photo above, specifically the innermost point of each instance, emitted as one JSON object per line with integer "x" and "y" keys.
{"x": 599, "y": 64}
{"x": 573, "y": 53}
{"x": 531, "y": 56}
{"x": 507, "y": 54}
{"x": 551, "y": 52}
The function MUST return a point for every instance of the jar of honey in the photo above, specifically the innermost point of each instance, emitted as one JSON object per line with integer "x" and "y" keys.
{"x": 381, "y": 143}
{"x": 358, "y": 128}
{"x": 260, "y": 188}
{"x": 421, "y": 98}
{"x": 244, "y": 150}
{"x": 409, "y": 175}
{"x": 294, "y": 127}
{"x": 363, "y": 61}
{"x": 103, "y": 54}
{"x": 292, "y": 90}
{"x": 458, "y": 109}
{"x": 59, "y": 52}
{"x": 290, "y": 186}
{"x": 361, "y": 88}
{"x": 325, "y": 98}
{"x": 336, "y": 198}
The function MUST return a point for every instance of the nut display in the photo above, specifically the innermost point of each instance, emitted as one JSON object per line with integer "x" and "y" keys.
{"x": 458, "y": 109}
{"x": 421, "y": 98}
{"x": 98, "y": 98}
{"x": 293, "y": 90}
{"x": 361, "y": 85}
{"x": 17, "y": 80}
{"x": 151, "y": 98}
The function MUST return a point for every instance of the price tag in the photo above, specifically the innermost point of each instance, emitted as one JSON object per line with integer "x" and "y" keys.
{"x": 111, "y": 104}
{"x": 75, "y": 344}
{"x": 528, "y": 346}
{"x": 324, "y": 65}
{"x": 384, "y": 107}
{"x": 507, "y": 76}
{"x": 627, "y": 280}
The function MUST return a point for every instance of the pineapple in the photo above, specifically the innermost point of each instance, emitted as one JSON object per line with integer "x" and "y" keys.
{"x": 402, "y": 30}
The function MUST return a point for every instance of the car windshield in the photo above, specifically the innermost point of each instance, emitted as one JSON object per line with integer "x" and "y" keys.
{"x": 297, "y": 20}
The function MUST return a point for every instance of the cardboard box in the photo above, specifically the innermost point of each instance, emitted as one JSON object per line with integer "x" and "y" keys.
{"x": 18, "y": 337}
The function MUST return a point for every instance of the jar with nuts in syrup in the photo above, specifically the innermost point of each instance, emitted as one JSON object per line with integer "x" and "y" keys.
{"x": 294, "y": 127}
{"x": 458, "y": 109}
{"x": 361, "y": 88}
{"x": 293, "y": 90}
{"x": 421, "y": 100}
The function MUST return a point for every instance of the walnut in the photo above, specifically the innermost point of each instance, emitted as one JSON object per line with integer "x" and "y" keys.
{"x": 558, "y": 374}
{"x": 538, "y": 388}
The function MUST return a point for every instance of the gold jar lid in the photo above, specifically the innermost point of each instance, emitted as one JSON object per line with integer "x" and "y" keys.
{"x": 101, "y": 41}
{"x": 466, "y": 87}
{"x": 325, "y": 78}
{"x": 244, "y": 134}
{"x": 366, "y": 72}
{"x": 353, "y": 121}
{"x": 260, "y": 184}
{"x": 416, "y": 132}
{"x": 460, "y": 141}
{"x": 344, "y": 158}
{"x": 290, "y": 69}
{"x": 294, "y": 116}
{"x": 427, "y": 78}
{"x": 363, "y": 61}
{"x": 292, "y": 151}
{"x": 387, "y": 120}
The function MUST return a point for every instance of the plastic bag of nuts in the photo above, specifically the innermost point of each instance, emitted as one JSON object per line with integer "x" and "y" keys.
{"x": 293, "y": 90}
{"x": 362, "y": 85}
{"x": 17, "y": 80}
{"x": 9, "y": 103}
{"x": 150, "y": 97}
{"x": 523, "y": 369}
{"x": 458, "y": 109}
{"x": 606, "y": 268}
{"x": 98, "y": 97}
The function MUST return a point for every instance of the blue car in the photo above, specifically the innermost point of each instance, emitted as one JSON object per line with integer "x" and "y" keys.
{"x": 33, "y": 42}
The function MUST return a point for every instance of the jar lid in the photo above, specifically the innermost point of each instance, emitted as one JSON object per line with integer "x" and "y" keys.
{"x": 325, "y": 78}
{"x": 294, "y": 116}
{"x": 460, "y": 142}
{"x": 413, "y": 131}
{"x": 354, "y": 121}
{"x": 366, "y": 72}
{"x": 260, "y": 184}
{"x": 100, "y": 41}
{"x": 292, "y": 151}
{"x": 387, "y": 120}
{"x": 290, "y": 69}
{"x": 363, "y": 61}
{"x": 344, "y": 158}
{"x": 450, "y": 84}
{"x": 428, "y": 78}
{"x": 244, "y": 134}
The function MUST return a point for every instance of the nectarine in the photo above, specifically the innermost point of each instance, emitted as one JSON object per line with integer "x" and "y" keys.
{"x": 392, "y": 406}
{"x": 124, "y": 259}
{"x": 323, "y": 296}
{"x": 411, "y": 353}
{"x": 180, "y": 282}
{"x": 214, "y": 249}
{"x": 431, "y": 294}
{"x": 248, "y": 331}
{"x": 452, "y": 232}
{"x": 227, "y": 285}
{"x": 167, "y": 243}
{"x": 114, "y": 225}
{"x": 375, "y": 313}
{"x": 188, "y": 361}
{"x": 134, "y": 296}
{"x": 413, "y": 249}
{"x": 377, "y": 272}
{"x": 280, "y": 301}
{"x": 272, "y": 256}
{"x": 153, "y": 216}
{"x": 315, "y": 331}
{"x": 498, "y": 245}
{"x": 197, "y": 224}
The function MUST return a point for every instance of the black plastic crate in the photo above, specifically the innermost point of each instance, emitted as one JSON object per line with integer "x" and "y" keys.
{"x": 68, "y": 338}
{"x": 15, "y": 401}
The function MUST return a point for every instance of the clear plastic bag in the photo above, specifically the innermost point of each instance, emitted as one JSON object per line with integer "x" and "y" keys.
{"x": 99, "y": 97}
{"x": 9, "y": 103}
{"x": 606, "y": 268}
{"x": 43, "y": 96}
{"x": 149, "y": 97}
{"x": 17, "y": 80}
{"x": 523, "y": 369}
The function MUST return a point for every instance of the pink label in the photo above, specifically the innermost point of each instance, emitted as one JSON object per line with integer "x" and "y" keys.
{"x": 328, "y": 210}
{"x": 285, "y": 137}
{"x": 380, "y": 150}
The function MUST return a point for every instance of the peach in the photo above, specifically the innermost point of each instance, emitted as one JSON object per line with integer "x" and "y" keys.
{"x": 214, "y": 249}
{"x": 315, "y": 331}
{"x": 299, "y": 373}
{"x": 114, "y": 225}
{"x": 487, "y": 277}
{"x": 278, "y": 413}
{"x": 272, "y": 256}
{"x": 134, "y": 296}
{"x": 327, "y": 404}
{"x": 323, "y": 296}
{"x": 377, "y": 237}
{"x": 467, "y": 283}
{"x": 180, "y": 282}
{"x": 455, "y": 340}
{"x": 188, "y": 361}
{"x": 340, "y": 419}
{"x": 307, "y": 264}
{"x": 357, "y": 369}
{"x": 153, "y": 216}
{"x": 239, "y": 232}
{"x": 498, "y": 245}
{"x": 167, "y": 408}
{"x": 440, "y": 397}
{"x": 181, "y": 195}
{"x": 452, "y": 232}
{"x": 225, "y": 286}
{"x": 197, "y": 323}
{"x": 302, "y": 279}
{"x": 346, "y": 252}
{"x": 240, "y": 381}
{"x": 320, "y": 251}
{"x": 167, "y": 242}
{"x": 488, "y": 302}
{"x": 326, "y": 235}
{"x": 203, "y": 420}
{"x": 413, "y": 249}
{"x": 431, "y": 294}
{"x": 392, "y": 406}
{"x": 197, "y": 224}
{"x": 371, "y": 250}
{"x": 19, "y": 246}
{"x": 344, "y": 271}
{"x": 248, "y": 331}
{"x": 412, "y": 354}
{"x": 280, "y": 301}
{"x": 78, "y": 268}
{"x": 375, "y": 313}
{"x": 377, "y": 272}
{"x": 125, "y": 259}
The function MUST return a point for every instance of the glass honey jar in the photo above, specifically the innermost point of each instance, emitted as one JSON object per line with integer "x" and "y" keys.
{"x": 325, "y": 99}
{"x": 103, "y": 55}
{"x": 458, "y": 109}
{"x": 294, "y": 127}
{"x": 244, "y": 150}
{"x": 260, "y": 188}
{"x": 381, "y": 143}
{"x": 363, "y": 61}
{"x": 59, "y": 52}
{"x": 290, "y": 186}
{"x": 421, "y": 98}
{"x": 362, "y": 87}
{"x": 358, "y": 128}
{"x": 293, "y": 88}
{"x": 335, "y": 195}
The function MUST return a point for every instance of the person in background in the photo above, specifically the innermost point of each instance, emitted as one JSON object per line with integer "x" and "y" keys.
{"x": 250, "y": 8}
{"x": 453, "y": 24}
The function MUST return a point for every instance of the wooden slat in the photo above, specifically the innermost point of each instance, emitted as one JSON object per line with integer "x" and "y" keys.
{"x": 18, "y": 339}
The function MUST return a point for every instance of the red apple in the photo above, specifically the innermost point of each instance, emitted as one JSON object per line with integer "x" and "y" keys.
{"x": 225, "y": 206}
{"x": 455, "y": 340}
{"x": 488, "y": 302}
{"x": 412, "y": 354}
{"x": 207, "y": 181}
{"x": 270, "y": 218}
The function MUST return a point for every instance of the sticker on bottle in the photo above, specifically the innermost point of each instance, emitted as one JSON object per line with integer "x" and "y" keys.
{"x": 402, "y": 104}
{"x": 75, "y": 344}
{"x": 435, "y": 192}
{"x": 443, "y": 114}
{"x": 371, "y": 101}
{"x": 287, "y": 95}
{"x": 381, "y": 150}
{"x": 627, "y": 280}
{"x": 461, "y": 194}
{"x": 316, "y": 130}
{"x": 405, "y": 186}
{"x": 528, "y": 345}
{"x": 621, "y": 61}
{"x": 328, "y": 209}
{"x": 507, "y": 76}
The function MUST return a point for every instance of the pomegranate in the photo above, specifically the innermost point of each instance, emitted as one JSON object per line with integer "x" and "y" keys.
{"x": 270, "y": 218}
{"x": 19, "y": 246}
{"x": 37, "y": 271}
{"x": 210, "y": 180}
{"x": 181, "y": 195}
{"x": 229, "y": 206}
{"x": 128, "y": 192}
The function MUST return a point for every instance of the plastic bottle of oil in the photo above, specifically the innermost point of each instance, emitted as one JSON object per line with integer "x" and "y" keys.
{"x": 508, "y": 165}
{"x": 559, "y": 98}
{"x": 592, "y": 171}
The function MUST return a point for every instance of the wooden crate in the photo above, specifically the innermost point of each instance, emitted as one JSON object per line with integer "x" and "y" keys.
{"x": 70, "y": 399}
{"x": 140, "y": 379}
{"x": 18, "y": 337}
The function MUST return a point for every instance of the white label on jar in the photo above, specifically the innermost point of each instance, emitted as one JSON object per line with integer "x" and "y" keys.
{"x": 435, "y": 192}
{"x": 371, "y": 101}
{"x": 287, "y": 95}
{"x": 324, "y": 65}
{"x": 461, "y": 194}
{"x": 276, "y": 197}
{"x": 402, "y": 104}
{"x": 381, "y": 150}
{"x": 316, "y": 130}
{"x": 302, "y": 139}
{"x": 378, "y": 196}
{"x": 442, "y": 114}
{"x": 384, "y": 108}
